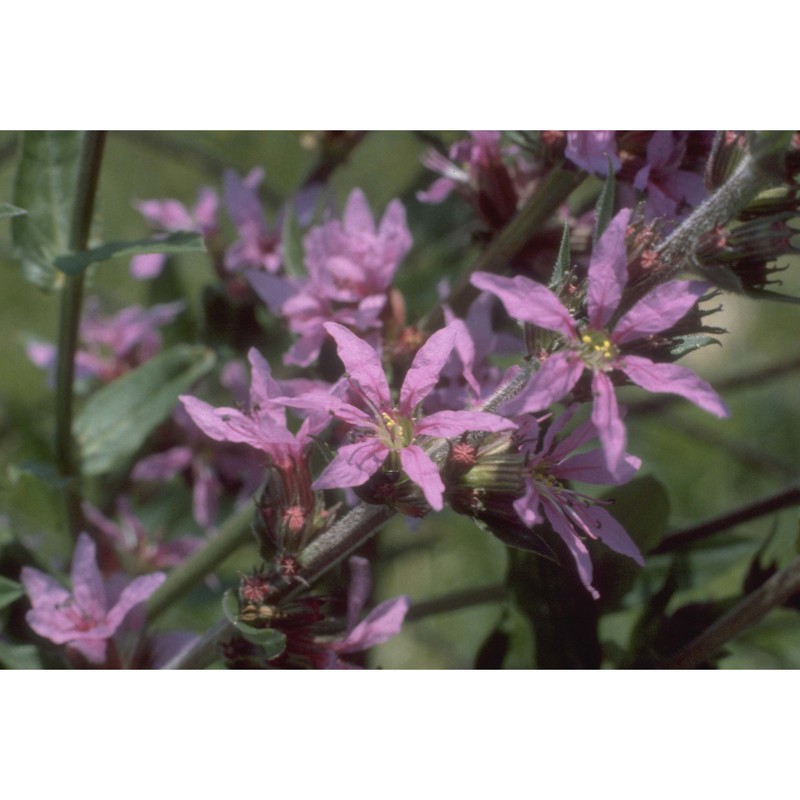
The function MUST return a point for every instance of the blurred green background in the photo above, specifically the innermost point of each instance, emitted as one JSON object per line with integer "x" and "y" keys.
{"x": 707, "y": 465}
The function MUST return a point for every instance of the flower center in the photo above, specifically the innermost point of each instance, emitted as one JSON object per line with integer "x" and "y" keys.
{"x": 597, "y": 350}
{"x": 396, "y": 431}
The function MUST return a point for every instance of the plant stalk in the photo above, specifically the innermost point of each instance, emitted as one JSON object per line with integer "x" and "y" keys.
{"x": 69, "y": 323}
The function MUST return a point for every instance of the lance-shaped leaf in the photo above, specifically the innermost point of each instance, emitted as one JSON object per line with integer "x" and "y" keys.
{"x": 7, "y": 210}
{"x": 179, "y": 242}
{"x": 9, "y": 591}
{"x": 45, "y": 187}
{"x": 604, "y": 209}
{"x": 118, "y": 418}
{"x": 563, "y": 260}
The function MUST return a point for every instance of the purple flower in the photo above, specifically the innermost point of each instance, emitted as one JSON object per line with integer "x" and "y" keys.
{"x": 132, "y": 542}
{"x": 257, "y": 246}
{"x": 667, "y": 185}
{"x": 111, "y": 346}
{"x": 590, "y": 150}
{"x": 477, "y": 169}
{"x": 572, "y": 515}
{"x": 389, "y": 428}
{"x": 381, "y": 624}
{"x": 170, "y": 216}
{"x": 351, "y": 264}
{"x": 211, "y": 468}
{"x": 82, "y": 619}
{"x": 591, "y": 345}
{"x": 263, "y": 425}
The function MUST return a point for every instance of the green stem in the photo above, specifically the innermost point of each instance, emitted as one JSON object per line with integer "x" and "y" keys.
{"x": 69, "y": 322}
{"x": 742, "y": 616}
{"x": 235, "y": 532}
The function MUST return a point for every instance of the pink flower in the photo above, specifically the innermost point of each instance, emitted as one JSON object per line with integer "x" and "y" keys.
{"x": 351, "y": 264}
{"x": 132, "y": 542}
{"x": 111, "y": 345}
{"x": 668, "y": 186}
{"x": 590, "y": 150}
{"x": 572, "y": 515}
{"x": 591, "y": 345}
{"x": 257, "y": 246}
{"x": 381, "y": 624}
{"x": 170, "y": 216}
{"x": 389, "y": 428}
{"x": 82, "y": 619}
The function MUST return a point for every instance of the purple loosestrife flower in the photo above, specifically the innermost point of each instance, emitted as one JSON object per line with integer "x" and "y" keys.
{"x": 257, "y": 246}
{"x": 82, "y": 619}
{"x": 590, "y": 150}
{"x": 589, "y": 344}
{"x": 170, "y": 216}
{"x": 668, "y": 186}
{"x": 571, "y": 514}
{"x": 351, "y": 264}
{"x": 380, "y": 625}
{"x": 111, "y": 345}
{"x": 211, "y": 468}
{"x": 389, "y": 428}
{"x": 132, "y": 543}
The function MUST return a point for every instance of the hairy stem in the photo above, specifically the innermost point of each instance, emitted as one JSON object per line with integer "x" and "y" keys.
{"x": 742, "y": 616}
{"x": 677, "y": 250}
{"x": 69, "y": 323}
{"x": 697, "y": 533}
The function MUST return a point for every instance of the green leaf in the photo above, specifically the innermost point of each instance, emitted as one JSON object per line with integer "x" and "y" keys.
{"x": 118, "y": 418}
{"x": 691, "y": 342}
{"x": 720, "y": 276}
{"x": 9, "y": 591}
{"x": 7, "y": 210}
{"x": 19, "y": 656}
{"x": 563, "y": 260}
{"x": 273, "y": 641}
{"x": 292, "y": 243}
{"x": 45, "y": 186}
{"x": 604, "y": 209}
{"x": 179, "y": 242}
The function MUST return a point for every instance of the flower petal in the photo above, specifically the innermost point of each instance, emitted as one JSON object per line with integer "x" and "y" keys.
{"x": 137, "y": 591}
{"x": 674, "y": 379}
{"x": 607, "y": 420}
{"x": 419, "y": 467}
{"x": 564, "y": 529}
{"x": 591, "y": 468}
{"x": 382, "y": 623}
{"x": 87, "y": 583}
{"x": 454, "y": 423}
{"x": 608, "y": 271}
{"x": 353, "y": 465}
{"x": 611, "y": 533}
{"x": 556, "y": 377}
{"x": 658, "y": 310}
{"x": 363, "y": 365}
{"x": 43, "y": 591}
{"x": 426, "y": 369}
{"x": 528, "y": 301}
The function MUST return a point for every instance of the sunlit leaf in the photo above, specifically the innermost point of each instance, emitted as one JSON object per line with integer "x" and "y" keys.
{"x": 179, "y": 242}
{"x": 45, "y": 187}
